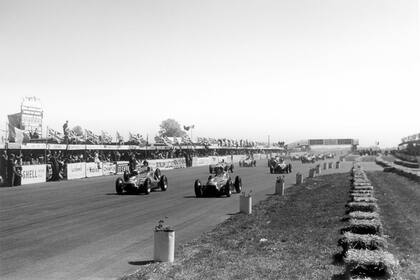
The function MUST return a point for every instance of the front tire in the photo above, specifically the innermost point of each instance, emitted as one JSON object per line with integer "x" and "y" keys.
{"x": 119, "y": 185}
{"x": 238, "y": 184}
{"x": 163, "y": 183}
{"x": 228, "y": 188}
{"x": 147, "y": 186}
{"x": 198, "y": 188}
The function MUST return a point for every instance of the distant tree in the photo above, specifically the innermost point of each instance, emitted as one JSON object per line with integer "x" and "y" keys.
{"x": 78, "y": 130}
{"x": 171, "y": 128}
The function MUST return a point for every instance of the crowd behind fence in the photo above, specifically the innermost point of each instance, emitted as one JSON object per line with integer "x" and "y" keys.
{"x": 16, "y": 164}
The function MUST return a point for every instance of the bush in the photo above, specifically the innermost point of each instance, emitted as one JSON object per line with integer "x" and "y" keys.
{"x": 361, "y": 241}
{"x": 363, "y": 199}
{"x": 370, "y": 263}
{"x": 359, "y": 215}
{"x": 361, "y": 206}
{"x": 363, "y": 226}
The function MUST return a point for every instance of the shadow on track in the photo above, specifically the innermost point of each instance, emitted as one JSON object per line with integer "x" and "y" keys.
{"x": 139, "y": 263}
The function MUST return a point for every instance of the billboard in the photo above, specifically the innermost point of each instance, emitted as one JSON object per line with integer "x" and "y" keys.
{"x": 31, "y": 114}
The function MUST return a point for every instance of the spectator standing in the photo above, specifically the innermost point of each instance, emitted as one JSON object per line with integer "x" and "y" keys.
{"x": 3, "y": 166}
{"x": 10, "y": 170}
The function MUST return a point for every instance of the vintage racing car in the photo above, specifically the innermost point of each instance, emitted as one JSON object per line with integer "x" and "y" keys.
{"x": 279, "y": 166}
{"x": 308, "y": 159}
{"x": 143, "y": 181}
{"x": 223, "y": 164}
{"x": 249, "y": 162}
{"x": 218, "y": 184}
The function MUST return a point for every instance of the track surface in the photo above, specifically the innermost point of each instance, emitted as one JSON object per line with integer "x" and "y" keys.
{"x": 81, "y": 229}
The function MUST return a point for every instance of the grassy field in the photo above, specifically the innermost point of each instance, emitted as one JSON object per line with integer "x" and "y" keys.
{"x": 290, "y": 237}
{"x": 295, "y": 236}
{"x": 399, "y": 201}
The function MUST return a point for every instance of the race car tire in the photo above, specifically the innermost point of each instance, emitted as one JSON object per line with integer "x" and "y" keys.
{"x": 198, "y": 188}
{"x": 228, "y": 188}
{"x": 255, "y": 163}
{"x": 158, "y": 173}
{"x": 119, "y": 185}
{"x": 163, "y": 183}
{"x": 271, "y": 170}
{"x": 126, "y": 175}
{"x": 147, "y": 186}
{"x": 290, "y": 168}
{"x": 238, "y": 184}
{"x": 240, "y": 164}
{"x": 210, "y": 169}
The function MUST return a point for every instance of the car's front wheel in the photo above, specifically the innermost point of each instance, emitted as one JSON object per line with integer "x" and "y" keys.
{"x": 163, "y": 183}
{"x": 228, "y": 188}
{"x": 119, "y": 185}
{"x": 147, "y": 186}
{"x": 198, "y": 188}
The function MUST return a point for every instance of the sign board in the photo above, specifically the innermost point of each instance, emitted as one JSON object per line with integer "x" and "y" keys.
{"x": 108, "y": 168}
{"x": 31, "y": 113}
{"x": 122, "y": 166}
{"x": 34, "y": 174}
{"x": 93, "y": 169}
{"x": 165, "y": 164}
{"x": 76, "y": 170}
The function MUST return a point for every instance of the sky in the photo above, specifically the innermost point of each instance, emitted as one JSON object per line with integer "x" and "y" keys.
{"x": 291, "y": 69}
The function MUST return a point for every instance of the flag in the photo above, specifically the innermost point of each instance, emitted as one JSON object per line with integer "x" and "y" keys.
{"x": 54, "y": 134}
{"x": 188, "y": 127}
{"x": 91, "y": 137}
{"x": 17, "y": 135}
{"x": 105, "y": 137}
{"x": 120, "y": 139}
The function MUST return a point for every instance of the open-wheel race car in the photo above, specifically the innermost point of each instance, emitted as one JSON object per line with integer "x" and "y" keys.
{"x": 225, "y": 166}
{"x": 279, "y": 166}
{"x": 217, "y": 185}
{"x": 249, "y": 162}
{"x": 141, "y": 182}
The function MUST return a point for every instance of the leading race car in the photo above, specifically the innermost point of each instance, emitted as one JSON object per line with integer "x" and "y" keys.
{"x": 218, "y": 185}
{"x": 143, "y": 181}
{"x": 279, "y": 166}
{"x": 222, "y": 164}
{"x": 308, "y": 159}
{"x": 249, "y": 162}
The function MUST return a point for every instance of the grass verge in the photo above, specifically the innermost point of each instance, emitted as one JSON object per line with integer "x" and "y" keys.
{"x": 289, "y": 237}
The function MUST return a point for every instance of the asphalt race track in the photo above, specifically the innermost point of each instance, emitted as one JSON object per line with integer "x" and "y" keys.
{"x": 81, "y": 229}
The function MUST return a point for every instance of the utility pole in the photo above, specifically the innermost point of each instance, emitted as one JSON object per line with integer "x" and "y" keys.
{"x": 269, "y": 141}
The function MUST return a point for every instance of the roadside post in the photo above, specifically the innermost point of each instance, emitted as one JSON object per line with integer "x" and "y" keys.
{"x": 299, "y": 178}
{"x": 164, "y": 243}
{"x": 280, "y": 185}
{"x": 245, "y": 203}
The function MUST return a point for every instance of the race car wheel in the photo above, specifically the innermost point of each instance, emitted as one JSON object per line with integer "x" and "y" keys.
{"x": 147, "y": 186}
{"x": 163, "y": 183}
{"x": 271, "y": 170}
{"x": 290, "y": 168}
{"x": 228, "y": 188}
{"x": 198, "y": 188}
{"x": 240, "y": 164}
{"x": 238, "y": 184}
{"x": 157, "y": 173}
{"x": 126, "y": 176}
{"x": 119, "y": 185}
{"x": 210, "y": 169}
{"x": 255, "y": 163}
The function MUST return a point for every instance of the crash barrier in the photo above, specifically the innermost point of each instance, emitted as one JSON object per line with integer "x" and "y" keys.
{"x": 109, "y": 168}
{"x": 75, "y": 170}
{"x": 34, "y": 174}
{"x": 93, "y": 169}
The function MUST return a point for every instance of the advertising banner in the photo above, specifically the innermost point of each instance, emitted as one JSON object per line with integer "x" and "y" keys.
{"x": 34, "y": 174}
{"x": 122, "y": 166}
{"x": 108, "y": 168}
{"x": 76, "y": 170}
{"x": 165, "y": 164}
{"x": 57, "y": 147}
{"x": 200, "y": 161}
{"x": 93, "y": 169}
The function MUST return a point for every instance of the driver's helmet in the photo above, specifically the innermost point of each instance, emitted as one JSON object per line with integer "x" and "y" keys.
{"x": 145, "y": 163}
{"x": 219, "y": 170}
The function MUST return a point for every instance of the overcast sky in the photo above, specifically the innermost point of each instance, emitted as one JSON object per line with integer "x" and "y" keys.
{"x": 292, "y": 69}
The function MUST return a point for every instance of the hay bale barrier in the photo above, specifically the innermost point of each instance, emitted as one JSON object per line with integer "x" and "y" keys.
{"x": 362, "y": 241}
